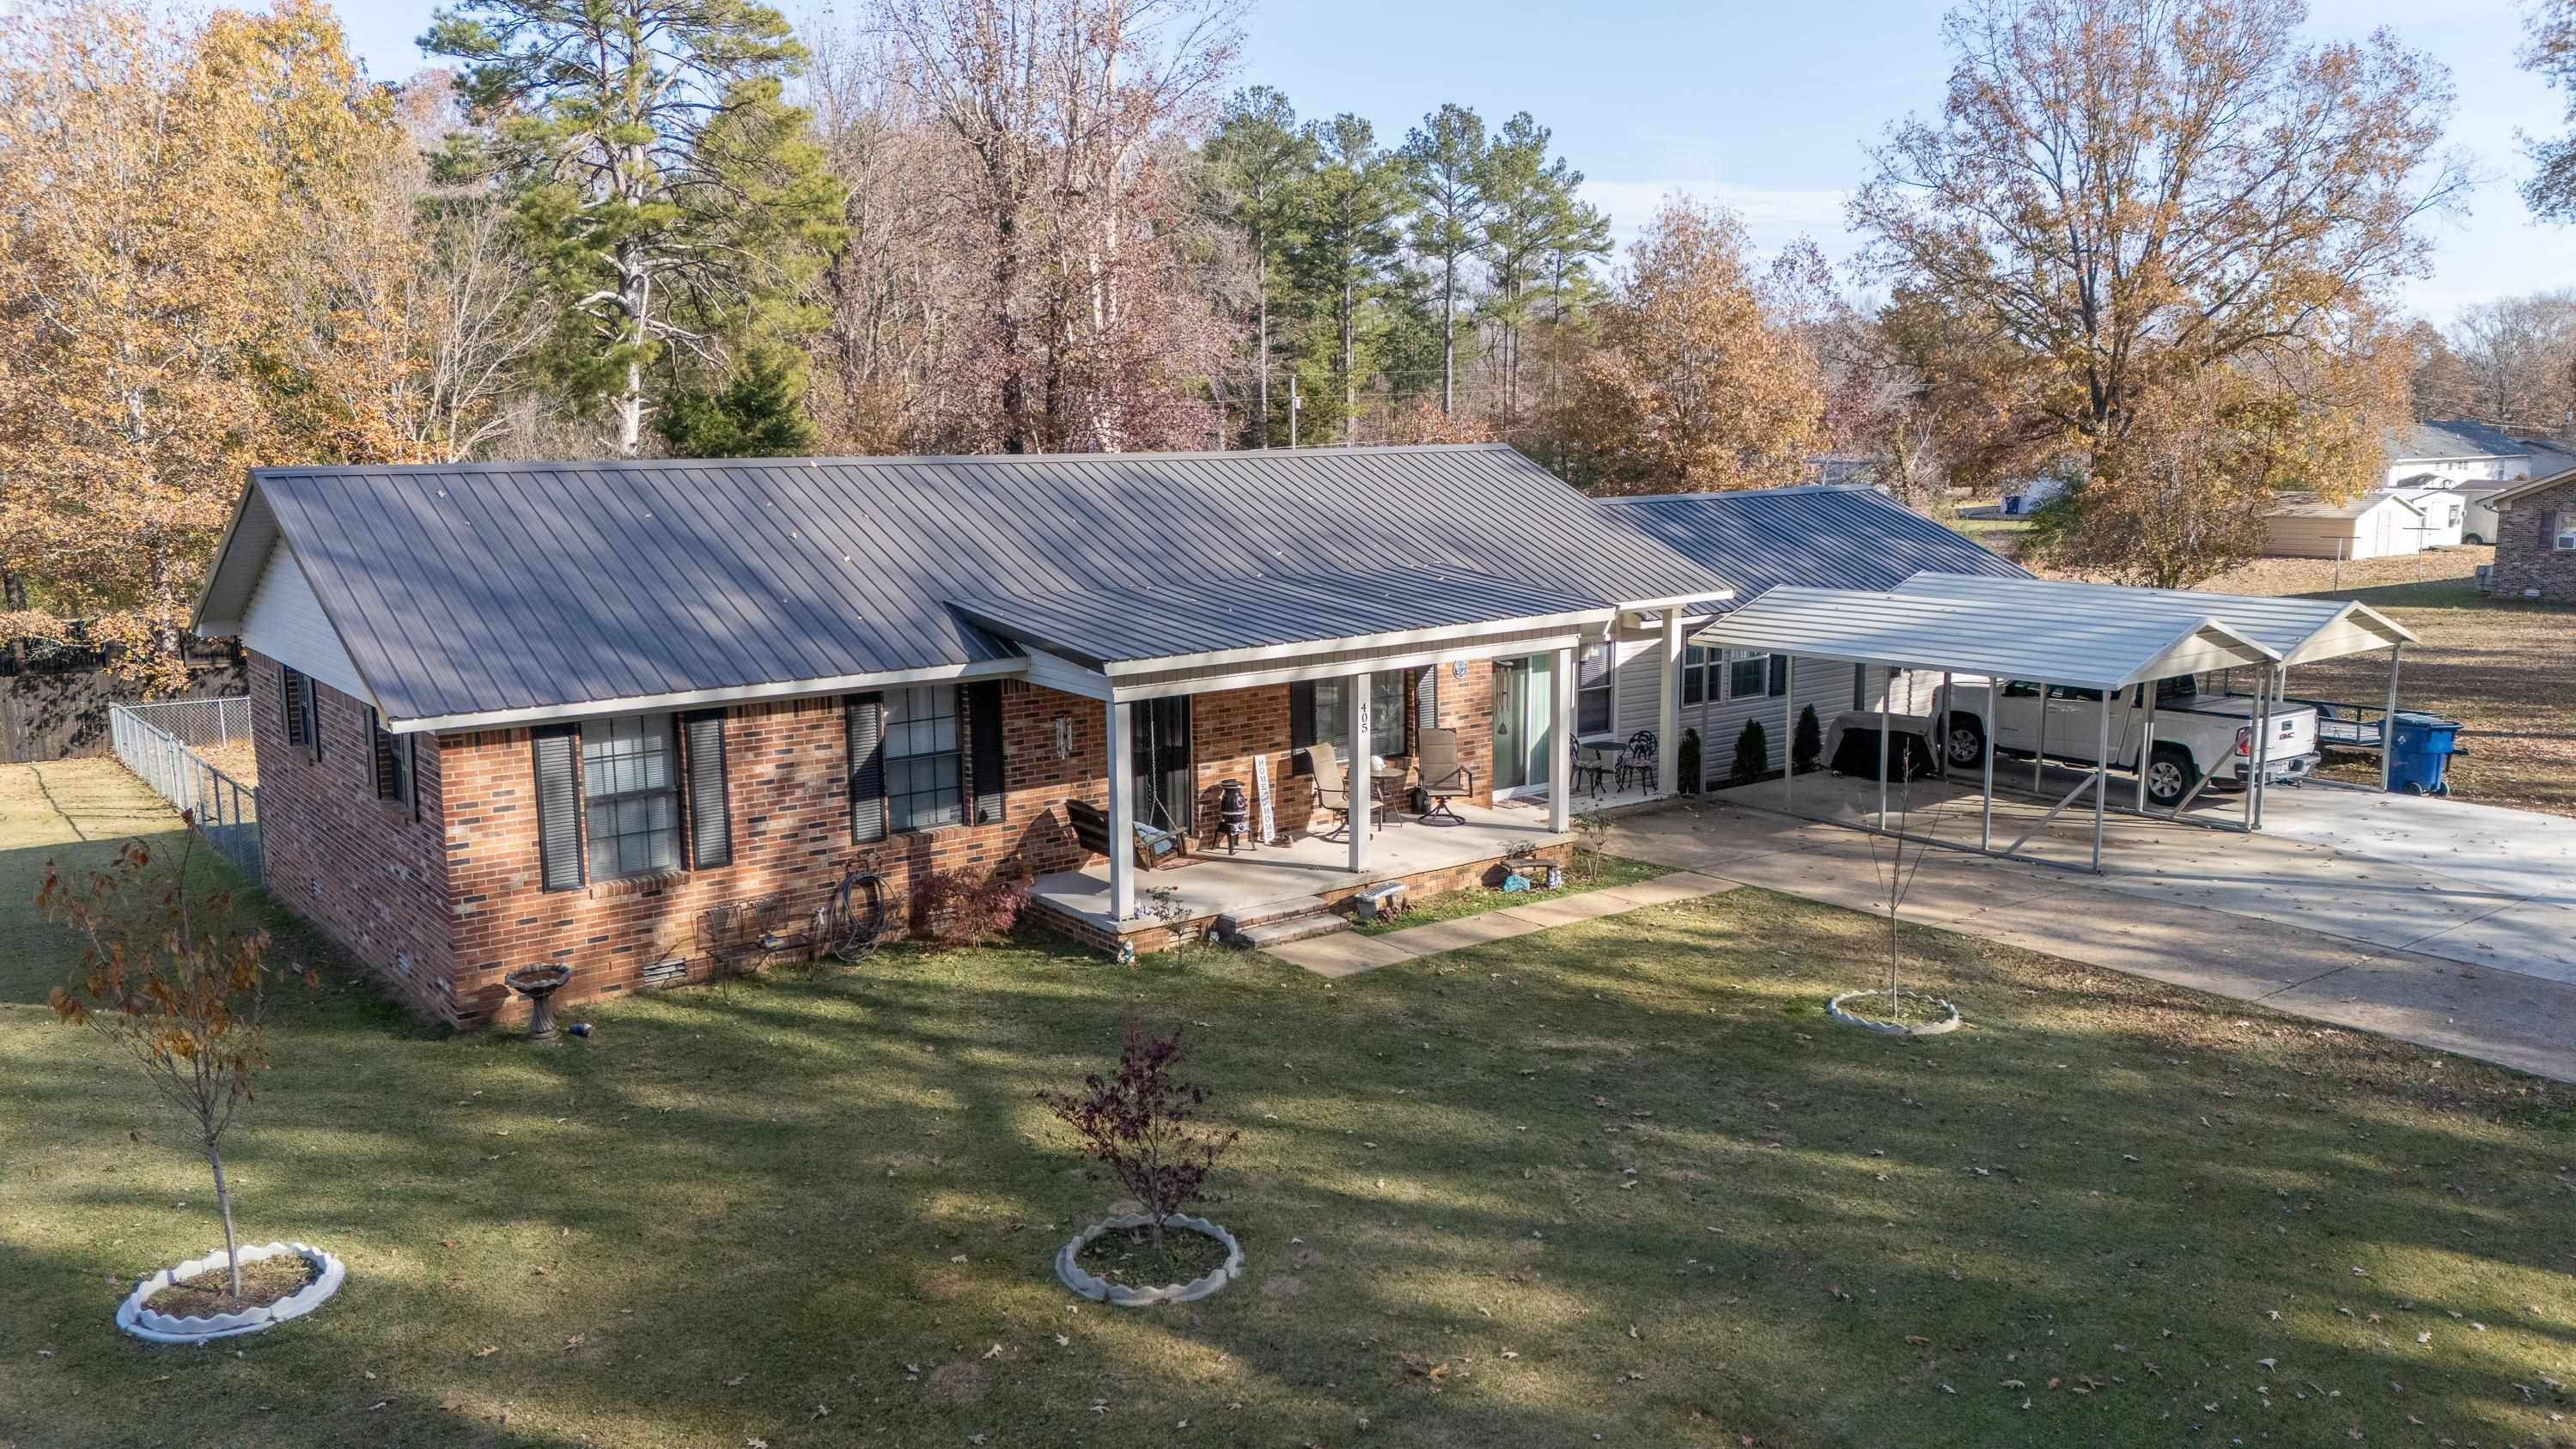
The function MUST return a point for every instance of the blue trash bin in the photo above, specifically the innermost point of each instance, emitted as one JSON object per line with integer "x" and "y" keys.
{"x": 2420, "y": 754}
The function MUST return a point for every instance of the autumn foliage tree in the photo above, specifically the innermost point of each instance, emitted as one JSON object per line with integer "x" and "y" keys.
{"x": 189, "y": 274}
{"x": 1697, "y": 383}
{"x": 2122, "y": 197}
{"x": 170, "y": 975}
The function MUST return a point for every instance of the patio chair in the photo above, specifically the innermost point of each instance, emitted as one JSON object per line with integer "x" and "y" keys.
{"x": 1442, "y": 776}
{"x": 1332, "y": 787}
{"x": 1638, "y": 759}
{"x": 741, "y": 935}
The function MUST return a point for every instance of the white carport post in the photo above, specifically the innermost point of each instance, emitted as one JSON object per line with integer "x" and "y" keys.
{"x": 2102, "y": 776}
{"x": 1359, "y": 774}
{"x": 1788, "y": 735}
{"x": 1986, "y": 815}
{"x": 1122, "y": 813}
{"x": 2388, "y": 725}
{"x": 1886, "y": 687}
{"x": 1668, "y": 708}
{"x": 1560, "y": 746}
{"x": 2146, "y": 743}
{"x": 2258, "y": 754}
{"x": 1941, "y": 730}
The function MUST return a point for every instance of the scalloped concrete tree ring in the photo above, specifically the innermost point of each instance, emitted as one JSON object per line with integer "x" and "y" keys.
{"x": 144, "y": 1323}
{"x": 1101, "y": 1290}
{"x": 1945, "y": 1017}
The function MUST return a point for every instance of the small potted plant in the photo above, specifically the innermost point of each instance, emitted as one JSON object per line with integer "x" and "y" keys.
{"x": 172, "y": 978}
{"x": 1142, "y": 1125}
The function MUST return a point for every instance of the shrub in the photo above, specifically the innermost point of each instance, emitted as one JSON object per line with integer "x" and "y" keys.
{"x": 1140, "y": 1124}
{"x": 962, "y": 908}
{"x": 1809, "y": 744}
{"x": 1688, "y": 765}
{"x": 1752, "y": 754}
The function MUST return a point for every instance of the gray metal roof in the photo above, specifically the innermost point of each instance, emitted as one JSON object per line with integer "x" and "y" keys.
{"x": 1169, "y": 620}
{"x": 2457, "y": 438}
{"x": 2301, "y": 631}
{"x": 465, "y": 591}
{"x": 2077, "y": 638}
{"x": 1825, "y": 537}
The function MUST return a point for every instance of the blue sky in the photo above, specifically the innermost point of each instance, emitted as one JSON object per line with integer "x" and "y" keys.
{"x": 1766, "y": 107}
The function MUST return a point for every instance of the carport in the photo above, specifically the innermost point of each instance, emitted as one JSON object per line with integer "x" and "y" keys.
{"x": 2300, "y": 631}
{"x": 2036, "y": 631}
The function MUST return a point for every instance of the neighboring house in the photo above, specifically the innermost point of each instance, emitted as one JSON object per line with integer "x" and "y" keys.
{"x": 1761, "y": 539}
{"x": 511, "y": 714}
{"x": 2459, "y": 451}
{"x": 2440, "y": 508}
{"x": 2024, "y": 498}
{"x": 2535, "y": 554}
{"x": 2374, "y": 525}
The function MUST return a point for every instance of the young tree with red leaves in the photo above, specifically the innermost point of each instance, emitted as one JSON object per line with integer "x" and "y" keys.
{"x": 1140, "y": 1124}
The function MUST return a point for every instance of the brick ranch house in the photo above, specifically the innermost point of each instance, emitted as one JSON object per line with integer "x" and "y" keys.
{"x": 517, "y": 713}
{"x": 2535, "y": 555}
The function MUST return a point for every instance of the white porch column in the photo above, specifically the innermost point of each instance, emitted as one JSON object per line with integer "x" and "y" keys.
{"x": 1668, "y": 707}
{"x": 1560, "y": 745}
{"x": 1122, "y": 813}
{"x": 1355, "y": 771}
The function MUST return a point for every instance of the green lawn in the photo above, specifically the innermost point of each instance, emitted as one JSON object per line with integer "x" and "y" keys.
{"x": 1591, "y": 871}
{"x": 1617, "y": 1181}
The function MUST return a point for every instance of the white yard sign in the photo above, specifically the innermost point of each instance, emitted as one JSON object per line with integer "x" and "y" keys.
{"x": 1261, "y": 791}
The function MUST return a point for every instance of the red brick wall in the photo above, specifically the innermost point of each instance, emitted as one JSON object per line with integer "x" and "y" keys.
{"x": 1229, "y": 727}
{"x": 2524, "y": 558}
{"x": 359, "y": 868}
{"x": 786, "y": 767}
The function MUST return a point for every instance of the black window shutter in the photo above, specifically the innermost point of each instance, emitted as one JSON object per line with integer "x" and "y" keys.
{"x": 866, "y": 716}
{"x": 710, "y": 816}
{"x": 1779, "y": 675}
{"x": 558, "y": 755}
{"x": 384, "y": 748}
{"x": 1301, "y": 714}
{"x": 290, "y": 701}
{"x": 983, "y": 702}
{"x": 2549, "y": 529}
{"x": 312, "y": 715}
{"x": 413, "y": 744}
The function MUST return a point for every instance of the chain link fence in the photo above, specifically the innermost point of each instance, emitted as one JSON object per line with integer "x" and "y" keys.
{"x": 159, "y": 743}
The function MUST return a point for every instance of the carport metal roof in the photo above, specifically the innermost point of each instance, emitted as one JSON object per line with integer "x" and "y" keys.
{"x": 2301, "y": 631}
{"x": 2066, "y": 635}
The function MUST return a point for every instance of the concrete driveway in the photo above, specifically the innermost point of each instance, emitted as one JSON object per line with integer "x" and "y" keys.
{"x": 2441, "y": 922}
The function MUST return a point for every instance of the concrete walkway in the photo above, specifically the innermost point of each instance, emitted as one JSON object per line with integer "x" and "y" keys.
{"x": 1348, "y": 953}
{"x": 2259, "y": 940}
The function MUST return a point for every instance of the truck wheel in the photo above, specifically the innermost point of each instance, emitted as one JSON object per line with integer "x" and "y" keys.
{"x": 2170, "y": 776}
{"x": 1967, "y": 740}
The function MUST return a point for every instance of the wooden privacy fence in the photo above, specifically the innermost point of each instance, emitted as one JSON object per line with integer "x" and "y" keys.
{"x": 159, "y": 743}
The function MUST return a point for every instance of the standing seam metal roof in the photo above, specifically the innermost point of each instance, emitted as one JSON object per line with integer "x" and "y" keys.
{"x": 2079, "y": 641}
{"x": 470, "y": 589}
{"x": 2301, "y": 631}
{"x": 1829, "y": 536}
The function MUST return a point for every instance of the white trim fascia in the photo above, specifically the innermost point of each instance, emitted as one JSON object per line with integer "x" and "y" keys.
{"x": 1445, "y": 633}
{"x": 197, "y": 622}
{"x": 695, "y": 698}
{"x": 1678, "y": 601}
{"x": 1345, "y": 668}
{"x": 1066, "y": 677}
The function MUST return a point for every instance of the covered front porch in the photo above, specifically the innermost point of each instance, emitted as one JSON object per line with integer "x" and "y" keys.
{"x": 1418, "y": 644}
{"x": 1182, "y": 900}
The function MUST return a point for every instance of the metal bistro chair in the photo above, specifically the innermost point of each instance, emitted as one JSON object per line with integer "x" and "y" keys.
{"x": 1638, "y": 759}
{"x": 1332, "y": 787}
{"x": 1442, "y": 777}
{"x": 741, "y": 935}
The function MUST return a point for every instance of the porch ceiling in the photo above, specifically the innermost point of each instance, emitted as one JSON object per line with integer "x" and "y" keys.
{"x": 1263, "y": 623}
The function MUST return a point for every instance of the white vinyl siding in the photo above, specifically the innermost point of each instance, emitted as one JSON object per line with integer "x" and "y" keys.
{"x": 1822, "y": 683}
{"x": 284, "y": 621}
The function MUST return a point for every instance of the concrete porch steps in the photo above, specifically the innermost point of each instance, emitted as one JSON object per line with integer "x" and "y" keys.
{"x": 1276, "y": 923}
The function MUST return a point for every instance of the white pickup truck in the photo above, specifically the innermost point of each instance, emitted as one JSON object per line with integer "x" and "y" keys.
{"x": 2197, "y": 737}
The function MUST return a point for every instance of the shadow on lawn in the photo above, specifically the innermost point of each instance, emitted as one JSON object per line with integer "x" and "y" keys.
{"x": 747, "y": 1202}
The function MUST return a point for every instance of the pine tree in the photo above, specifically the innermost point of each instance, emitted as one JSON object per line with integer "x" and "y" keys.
{"x": 670, "y": 189}
{"x": 1532, "y": 216}
{"x": 1348, "y": 240}
{"x": 1259, "y": 158}
{"x": 1444, "y": 158}
{"x": 760, "y": 414}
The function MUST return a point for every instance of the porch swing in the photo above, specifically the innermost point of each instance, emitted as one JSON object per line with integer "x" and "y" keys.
{"x": 1155, "y": 847}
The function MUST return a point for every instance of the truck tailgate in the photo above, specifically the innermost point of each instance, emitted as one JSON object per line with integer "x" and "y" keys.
{"x": 2293, "y": 729}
